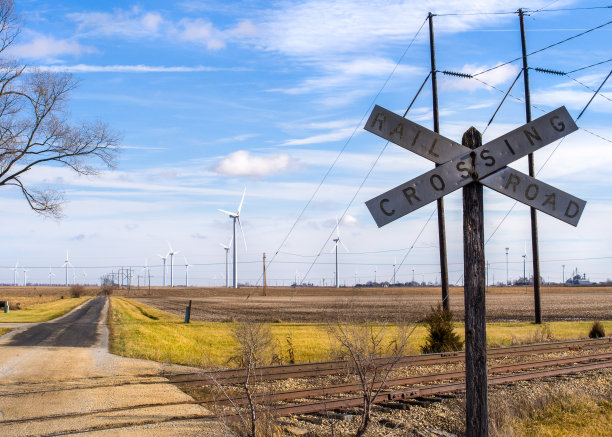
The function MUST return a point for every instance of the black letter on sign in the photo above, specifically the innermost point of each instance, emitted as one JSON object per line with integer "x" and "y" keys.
{"x": 431, "y": 149}
{"x": 380, "y": 118}
{"x": 440, "y": 184}
{"x": 485, "y": 155}
{"x": 530, "y": 135}
{"x": 513, "y": 180}
{"x": 398, "y": 130}
{"x": 575, "y": 208}
{"x": 560, "y": 127}
{"x": 509, "y": 147}
{"x": 529, "y": 187}
{"x": 552, "y": 199}
{"x": 382, "y": 208}
{"x": 461, "y": 167}
{"x": 410, "y": 192}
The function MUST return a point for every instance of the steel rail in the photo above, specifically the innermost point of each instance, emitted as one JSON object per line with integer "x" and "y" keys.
{"x": 417, "y": 379}
{"x": 399, "y": 395}
{"x": 232, "y": 376}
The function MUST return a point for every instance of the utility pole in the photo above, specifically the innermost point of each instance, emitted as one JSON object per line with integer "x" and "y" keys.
{"x": 440, "y": 201}
{"x": 474, "y": 290}
{"x": 265, "y": 290}
{"x": 534, "y": 219}
{"x": 507, "y": 277}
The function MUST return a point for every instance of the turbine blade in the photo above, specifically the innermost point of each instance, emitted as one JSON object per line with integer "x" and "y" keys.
{"x": 243, "y": 237}
{"x": 337, "y": 228}
{"x": 231, "y": 214}
{"x": 170, "y": 246}
{"x": 241, "y": 201}
{"x": 334, "y": 247}
{"x": 343, "y": 245}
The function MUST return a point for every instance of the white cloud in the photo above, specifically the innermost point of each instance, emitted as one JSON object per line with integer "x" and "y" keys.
{"x": 202, "y": 32}
{"x": 350, "y": 220}
{"x": 48, "y": 47}
{"x": 243, "y": 163}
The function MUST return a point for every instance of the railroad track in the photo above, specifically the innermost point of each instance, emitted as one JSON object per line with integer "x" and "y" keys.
{"x": 414, "y": 388}
{"x": 233, "y": 376}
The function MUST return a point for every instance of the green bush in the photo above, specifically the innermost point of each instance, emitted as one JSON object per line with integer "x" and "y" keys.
{"x": 440, "y": 334}
{"x": 597, "y": 330}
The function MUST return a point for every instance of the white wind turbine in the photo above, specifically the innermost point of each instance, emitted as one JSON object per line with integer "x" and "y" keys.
{"x": 187, "y": 265}
{"x": 236, "y": 217}
{"x": 338, "y": 242}
{"x": 14, "y": 269}
{"x": 171, "y": 253}
{"x": 25, "y": 277}
{"x": 227, "y": 249}
{"x": 50, "y": 275}
{"x": 164, "y": 275}
{"x": 66, "y": 264}
{"x": 84, "y": 277}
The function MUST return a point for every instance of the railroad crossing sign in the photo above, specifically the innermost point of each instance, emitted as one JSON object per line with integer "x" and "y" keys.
{"x": 459, "y": 166}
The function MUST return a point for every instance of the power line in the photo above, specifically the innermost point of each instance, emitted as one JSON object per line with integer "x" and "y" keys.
{"x": 344, "y": 147}
{"x": 543, "y": 48}
{"x": 592, "y": 97}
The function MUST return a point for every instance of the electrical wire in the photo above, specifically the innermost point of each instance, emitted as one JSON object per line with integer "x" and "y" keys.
{"x": 544, "y": 48}
{"x": 344, "y": 147}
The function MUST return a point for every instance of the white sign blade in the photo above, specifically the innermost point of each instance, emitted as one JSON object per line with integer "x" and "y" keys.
{"x": 411, "y": 136}
{"x": 522, "y": 141}
{"x": 471, "y": 166}
{"x": 416, "y": 193}
{"x": 543, "y": 197}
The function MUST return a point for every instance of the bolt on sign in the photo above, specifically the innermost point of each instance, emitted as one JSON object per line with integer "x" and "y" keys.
{"x": 458, "y": 166}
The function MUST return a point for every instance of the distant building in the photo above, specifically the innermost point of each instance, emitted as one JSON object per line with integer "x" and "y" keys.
{"x": 577, "y": 279}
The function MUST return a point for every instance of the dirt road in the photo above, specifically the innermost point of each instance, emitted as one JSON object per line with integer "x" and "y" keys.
{"x": 58, "y": 378}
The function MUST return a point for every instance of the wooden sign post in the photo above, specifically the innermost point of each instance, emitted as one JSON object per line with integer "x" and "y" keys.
{"x": 474, "y": 293}
{"x": 471, "y": 165}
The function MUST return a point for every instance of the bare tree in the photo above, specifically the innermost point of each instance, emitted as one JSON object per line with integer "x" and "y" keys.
{"x": 35, "y": 128}
{"x": 255, "y": 349}
{"x": 363, "y": 344}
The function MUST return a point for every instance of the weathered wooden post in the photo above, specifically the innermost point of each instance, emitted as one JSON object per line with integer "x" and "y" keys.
{"x": 188, "y": 313}
{"x": 474, "y": 294}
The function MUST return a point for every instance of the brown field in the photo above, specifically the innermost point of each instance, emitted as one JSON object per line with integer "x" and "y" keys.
{"x": 319, "y": 304}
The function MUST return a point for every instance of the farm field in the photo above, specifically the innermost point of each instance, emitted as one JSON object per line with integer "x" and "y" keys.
{"x": 141, "y": 331}
{"x": 322, "y": 305}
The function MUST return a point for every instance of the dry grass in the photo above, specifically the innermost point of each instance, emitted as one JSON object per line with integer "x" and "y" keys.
{"x": 41, "y": 312}
{"x": 553, "y": 411}
{"x": 141, "y": 331}
{"x": 4, "y": 331}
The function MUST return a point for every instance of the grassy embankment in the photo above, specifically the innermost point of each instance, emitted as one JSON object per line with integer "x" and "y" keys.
{"x": 141, "y": 331}
{"x": 42, "y": 312}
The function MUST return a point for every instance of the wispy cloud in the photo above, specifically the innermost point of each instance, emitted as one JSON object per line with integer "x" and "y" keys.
{"x": 131, "y": 23}
{"x": 495, "y": 77}
{"x": 340, "y": 134}
{"x": 140, "y": 68}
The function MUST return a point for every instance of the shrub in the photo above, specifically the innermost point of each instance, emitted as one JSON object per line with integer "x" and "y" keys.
{"x": 77, "y": 290}
{"x": 440, "y": 334}
{"x": 106, "y": 290}
{"x": 597, "y": 330}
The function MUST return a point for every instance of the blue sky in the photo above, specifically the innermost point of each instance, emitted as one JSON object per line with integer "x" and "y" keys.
{"x": 212, "y": 97}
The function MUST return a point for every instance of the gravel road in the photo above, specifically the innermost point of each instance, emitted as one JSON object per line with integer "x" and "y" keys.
{"x": 58, "y": 378}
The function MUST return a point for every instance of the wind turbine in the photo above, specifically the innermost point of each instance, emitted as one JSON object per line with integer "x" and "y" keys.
{"x": 65, "y": 265}
{"x": 227, "y": 249}
{"x": 164, "y": 260}
{"x": 338, "y": 242}
{"x": 84, "y": 277}
{"x": 14, "y": 269}
{"x": 171, "y": 253}
{"x": 50, "y": 274}
{"x": 25, "y": 277}
{"x": 236, "y": 217}
{"x": 187, "y": 265}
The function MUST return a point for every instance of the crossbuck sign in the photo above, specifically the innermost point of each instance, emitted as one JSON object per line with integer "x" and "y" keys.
{"x": 459, "y": 166}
